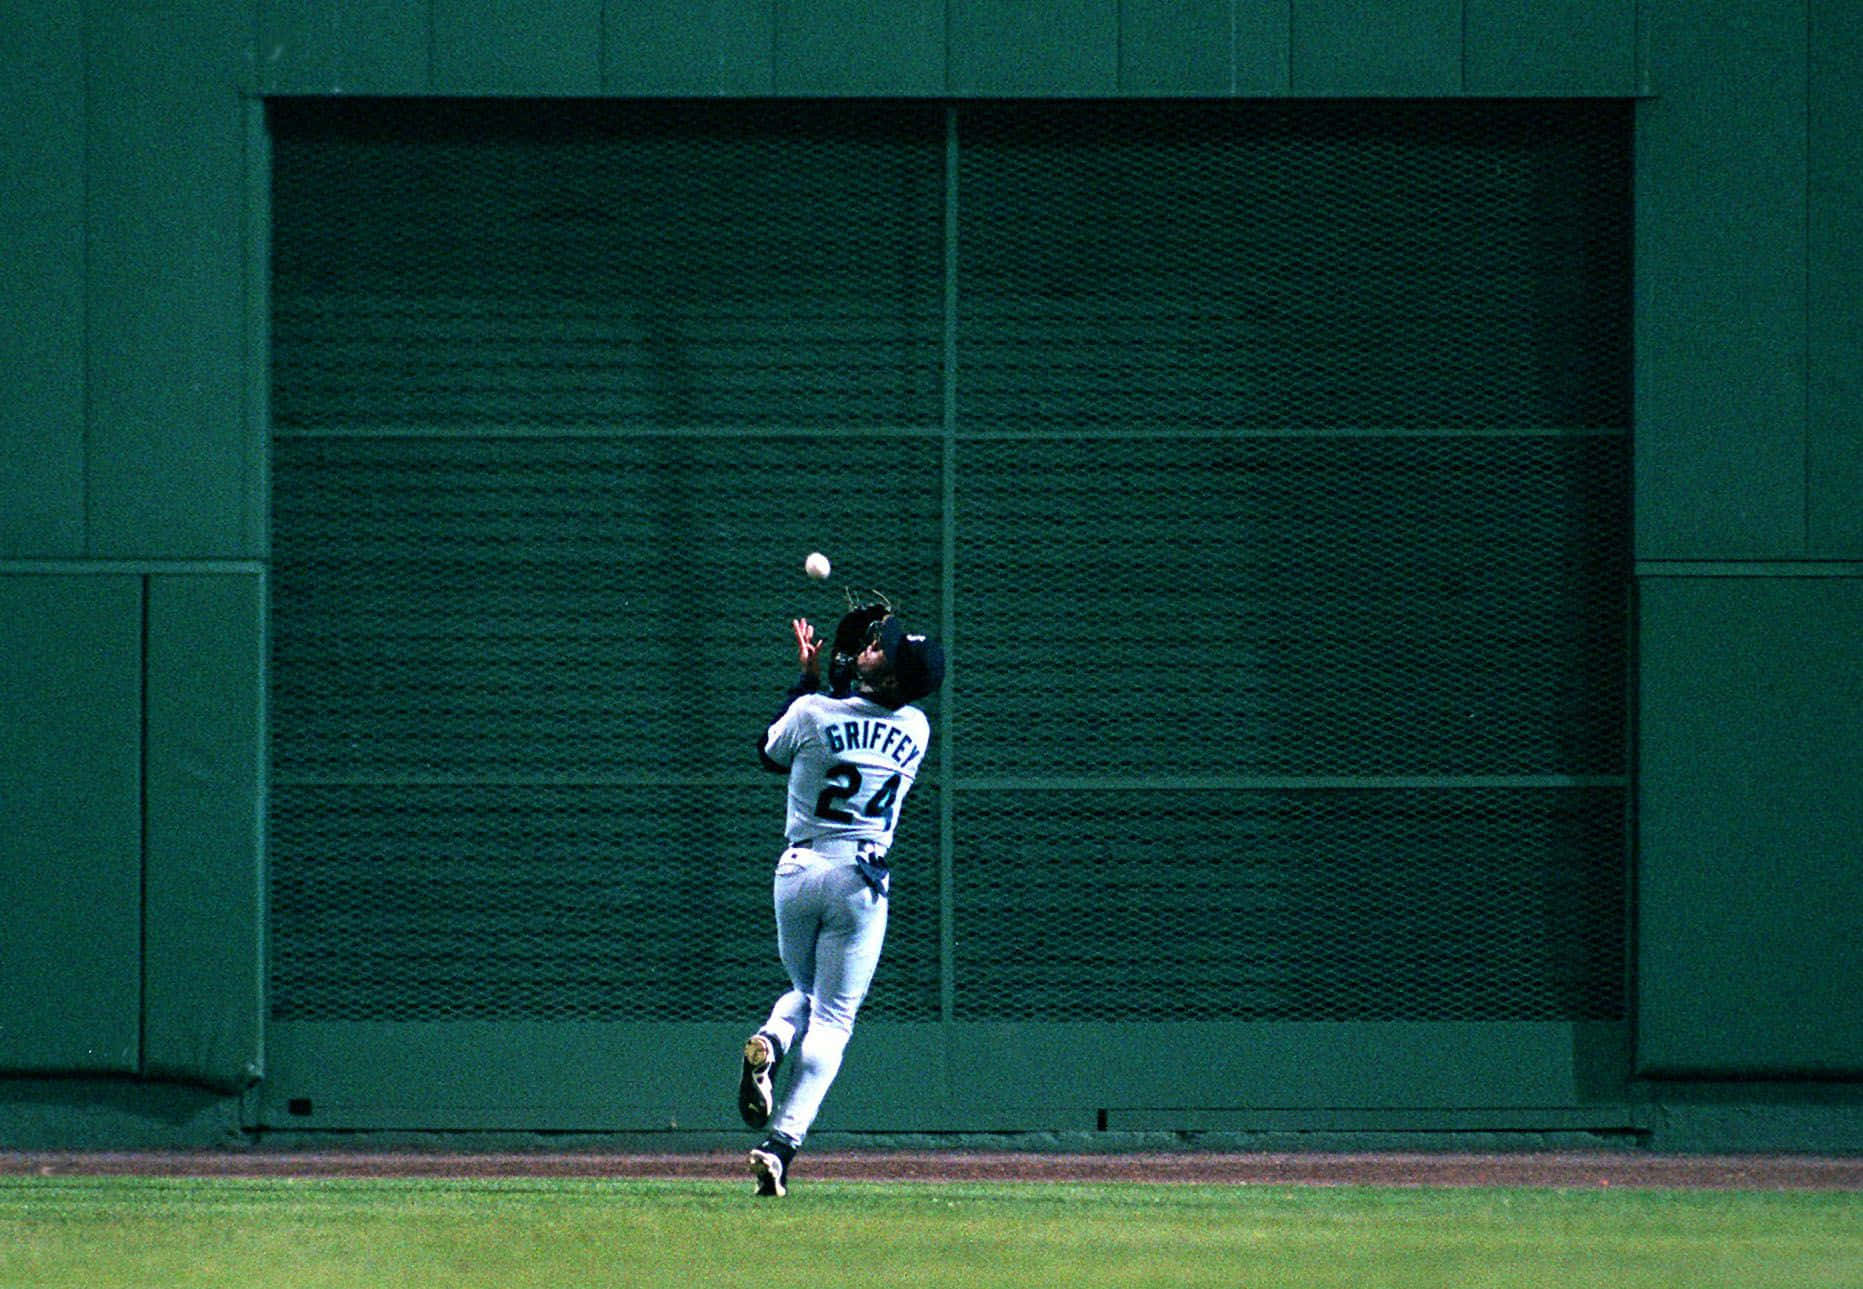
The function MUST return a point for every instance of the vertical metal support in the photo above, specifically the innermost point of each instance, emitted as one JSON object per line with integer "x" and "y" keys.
{"x": 142, "y": 826}
{"x": 258, "y": 300}
{"x": 947, "y": 778}
{"x": 258, "y": 288}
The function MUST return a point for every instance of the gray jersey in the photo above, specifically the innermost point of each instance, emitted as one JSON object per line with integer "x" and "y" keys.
{"x": 851, "y": 763}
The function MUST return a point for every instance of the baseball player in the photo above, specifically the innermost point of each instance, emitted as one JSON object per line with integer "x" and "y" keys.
{"x": 851, "y": 754}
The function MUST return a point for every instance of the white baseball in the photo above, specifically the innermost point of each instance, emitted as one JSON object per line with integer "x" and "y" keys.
{"x": 817, "y": 566}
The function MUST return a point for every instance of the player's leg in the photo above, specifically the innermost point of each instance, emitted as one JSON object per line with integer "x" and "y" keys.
{"x": 797, "y": 920}
{"x": 799, "y": 899}
{"x": 846, "y": 953}
{"x": 763, "y": 1054}
{"x": 788, "y": 1018}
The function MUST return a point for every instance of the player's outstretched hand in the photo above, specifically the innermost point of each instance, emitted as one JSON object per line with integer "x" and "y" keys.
{"x": 808, "y": 648}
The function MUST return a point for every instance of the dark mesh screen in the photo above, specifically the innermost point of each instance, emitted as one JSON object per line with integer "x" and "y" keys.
{"x": 489, "y": 901}
{"x": 1358, "y": 605}
{"x": 1362, "y": 905}
{"x": 474, "y": 266}
{"x": 1265, "y": 466}
{"x": 525, "y": 607}
{"x": 1321, "y": 266}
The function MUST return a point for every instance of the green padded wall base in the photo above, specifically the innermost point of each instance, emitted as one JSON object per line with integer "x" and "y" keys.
{"x": 956, "y": 1078}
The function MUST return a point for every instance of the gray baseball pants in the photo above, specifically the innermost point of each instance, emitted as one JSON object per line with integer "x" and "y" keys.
{"x": 830, "y": 925}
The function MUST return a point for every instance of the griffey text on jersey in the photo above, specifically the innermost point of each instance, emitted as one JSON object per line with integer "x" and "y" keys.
{"x": 880, "y": 736}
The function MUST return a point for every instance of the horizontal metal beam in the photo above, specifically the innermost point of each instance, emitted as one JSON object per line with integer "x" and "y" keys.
{"x": 133, "y": 567}
{"x": 994, "y": 783}
{"x": 1283, "y": 782}
{"x": 932, "y": 431}
{"x": 1749, "y": 568}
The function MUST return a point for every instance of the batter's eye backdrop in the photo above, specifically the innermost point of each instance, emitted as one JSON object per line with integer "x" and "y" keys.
{"x": 1264, "y": 466}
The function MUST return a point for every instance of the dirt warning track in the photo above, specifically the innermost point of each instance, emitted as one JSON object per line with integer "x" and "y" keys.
{"x": 1566, "y": 1169}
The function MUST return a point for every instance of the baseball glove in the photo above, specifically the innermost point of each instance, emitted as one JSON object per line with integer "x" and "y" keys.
{"x": 851, "y": 635}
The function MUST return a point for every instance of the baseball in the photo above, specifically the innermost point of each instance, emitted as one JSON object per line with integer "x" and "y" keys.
{"x": 817, "y": 566}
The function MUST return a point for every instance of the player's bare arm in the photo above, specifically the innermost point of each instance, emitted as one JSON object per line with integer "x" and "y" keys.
{"x": 808, "y": 647}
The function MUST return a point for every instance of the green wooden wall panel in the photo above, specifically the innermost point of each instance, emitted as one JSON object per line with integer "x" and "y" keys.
{"x": 689, "y": 47}
{"x": 1376, "y": 48}
{"x": 168, "y": 462}
{"x": 1720, "y": 290}
{"x": 1751, "y": 826}
{"x": 1203, "y": 47}
{"x": 42, "y": 289}
{"x": 1169, "y": 47}
{"x": 834, "y": 47}
{"x": 70, "y": 823}
{"x": 1835, "y": 195}
{"x": 257, "y": 365}
{"x": 517, "y": 47}
{"x": 202, "y": 927}
{"x": 344, "y": 46}
{"x": 1055, "y": 48}
{"x": 1553, "y": 47}
{"x": 1263, "y": 47}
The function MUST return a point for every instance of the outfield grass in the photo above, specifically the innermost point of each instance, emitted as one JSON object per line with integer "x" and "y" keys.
{"x": 517, "y": 1233}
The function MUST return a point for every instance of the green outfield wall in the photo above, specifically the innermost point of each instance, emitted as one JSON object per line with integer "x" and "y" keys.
{"x": 1388, "y": 475}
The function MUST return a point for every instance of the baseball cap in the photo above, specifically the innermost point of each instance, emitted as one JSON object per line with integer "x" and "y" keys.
{"x": 918, "y": 661}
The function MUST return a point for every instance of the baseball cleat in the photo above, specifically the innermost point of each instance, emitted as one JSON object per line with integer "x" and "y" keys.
{"x": 769, "y": 1163}
{"x": 756, "y": 1096}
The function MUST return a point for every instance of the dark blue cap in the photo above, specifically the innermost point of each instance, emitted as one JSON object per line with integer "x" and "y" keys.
{"x": 918, "y": 661}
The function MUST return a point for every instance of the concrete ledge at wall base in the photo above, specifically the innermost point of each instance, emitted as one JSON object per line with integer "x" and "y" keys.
{"x": 1691, "y": 1130}
{"x": 108, "y": 1114}
{"x": 1229, "y": 1142}
{"x": 1056, "y": 1143}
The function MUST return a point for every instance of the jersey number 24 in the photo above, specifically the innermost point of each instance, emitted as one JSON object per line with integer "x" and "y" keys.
{"x": 843, "y": 785}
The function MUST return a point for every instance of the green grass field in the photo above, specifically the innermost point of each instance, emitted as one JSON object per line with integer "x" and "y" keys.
{"x": 94, "y": 1232}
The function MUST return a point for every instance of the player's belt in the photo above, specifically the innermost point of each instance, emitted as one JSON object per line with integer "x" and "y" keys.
{"x": 829, "y": 845}
{"x": 862, "y": 850}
